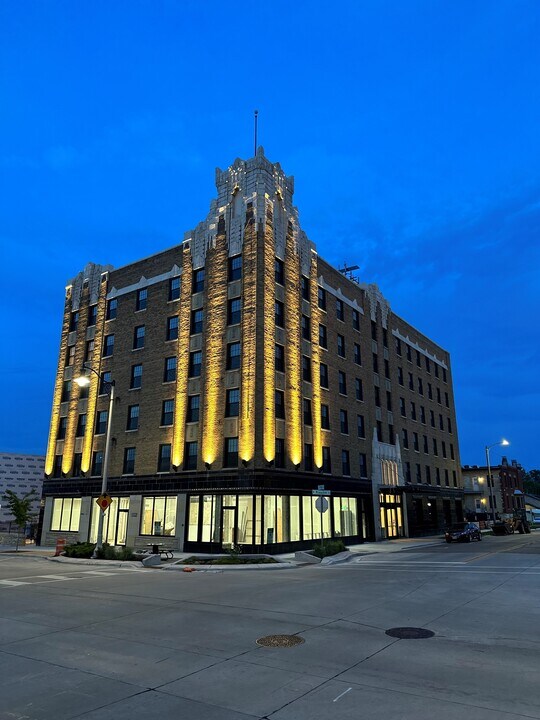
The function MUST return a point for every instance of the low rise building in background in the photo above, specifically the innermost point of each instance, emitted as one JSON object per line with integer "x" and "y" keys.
{"x": 505, "y": 496}
{"x": 21, "y": 474}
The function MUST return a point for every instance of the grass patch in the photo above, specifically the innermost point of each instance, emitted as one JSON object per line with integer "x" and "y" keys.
{"x": 228, "y": 560}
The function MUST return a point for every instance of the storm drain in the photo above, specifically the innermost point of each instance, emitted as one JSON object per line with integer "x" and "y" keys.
{"x": 280, "y": 641}
{"x": 409, "y": 633}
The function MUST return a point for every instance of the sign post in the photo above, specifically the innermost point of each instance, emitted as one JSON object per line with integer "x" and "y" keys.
{"x": 321, "y": 503}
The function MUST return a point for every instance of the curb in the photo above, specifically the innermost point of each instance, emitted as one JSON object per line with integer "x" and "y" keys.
{"x": 221, "y": 568}
{"x": 105, "y": 563}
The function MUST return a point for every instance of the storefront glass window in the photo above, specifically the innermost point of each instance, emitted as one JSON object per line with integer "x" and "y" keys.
{"x": 66, "y": 514}
{"x": 158, "y": 516}
{"x": 193, "y": 521}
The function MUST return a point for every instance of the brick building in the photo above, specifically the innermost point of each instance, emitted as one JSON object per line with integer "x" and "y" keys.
{"x": 248, "y": 372}
{"x": 506, "y": 489}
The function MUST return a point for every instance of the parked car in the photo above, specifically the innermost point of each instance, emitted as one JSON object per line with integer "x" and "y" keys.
{"x": 463, "y": 532}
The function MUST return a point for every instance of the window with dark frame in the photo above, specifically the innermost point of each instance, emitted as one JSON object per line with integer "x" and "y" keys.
{"x": 195, "y": 364}
{"x": 304, "y": 285}
{"x": 129, "y": 461}
{"x": 279, "y": 358}
{"x": 74, "y": 321}
{"x": 198, "y": 281}
{"x": 234, "y": 311}
{"x": 142, "y": 299}
{"x": 172, "y": 327}
{"x": 326, "y": 460}
{"x": 355, "y": 319}
{"x": 343, "y": 422}
{"x": 279, "y": 271}
{"x": 174, "y": 289}
{"x": 97, "y": 463}
{"x": 360, "y": 426}
{"x": 92, "y": 315}
{"x": 112, "y": 309}
{"x": 169, "y": 373}
{"x": 306, "y": 368}
{"x": 325, "y": 417}
{"x": 232, "y": 402}
{"x": 280, "y": 404}
{"x": 308, "y": 419}
{"x": 342, "y": 382}
{"x": 164, "y": 458}
{"x": 194, "y": 402}
{"x": 235, "y": 268}
{"x": 324, "y": 375}
{"x": 345, "y": 463}
{"x": 306, "y": 327}
{"x": 133, "y": 418}
{"x": 62, "y": 427}
{"x": 167, "y": 413}
{"x": 357, "y": 354}
{"x": 138, "y": 337}
{"x": 321, "y": 298}
{"x": 279, "y": 459}
{"x": 323, "y": 336}
{"x": 197, "y": 317}
{"x": 101, "y": 422}
{"x": 359, "y": 389}
{"x": 341, "y": 346}
{"x": 340, "y": 310}
{"x": 108, "y": 345}
{"x": 233, "y": 356}
{"x": 136, "y": 377}
{"x": 230, "y": 458}
{"x": 81, "y": 425}
{"x": 190, "y": 455}
{"x": 279, "y": 314}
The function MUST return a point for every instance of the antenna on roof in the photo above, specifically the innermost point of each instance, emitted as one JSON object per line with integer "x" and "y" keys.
{"x": 348, "y": 271}
{"x": 255, "y": 119}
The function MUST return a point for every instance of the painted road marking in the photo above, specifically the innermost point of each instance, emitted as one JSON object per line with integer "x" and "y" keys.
{"x": 342, "y": 694}
{"x": 12, "y": 583}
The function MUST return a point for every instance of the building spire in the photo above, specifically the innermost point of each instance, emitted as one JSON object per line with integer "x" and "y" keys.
{"x": 255, "y": 120}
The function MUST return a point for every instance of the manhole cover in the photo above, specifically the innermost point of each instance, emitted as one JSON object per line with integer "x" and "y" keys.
{"x": 409, "y": 633}
{"x": 280, "y": 641}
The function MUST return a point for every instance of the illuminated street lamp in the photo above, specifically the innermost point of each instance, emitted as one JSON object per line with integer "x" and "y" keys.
{"x": 490, "y": 483}
{"x": 108, "y": 388}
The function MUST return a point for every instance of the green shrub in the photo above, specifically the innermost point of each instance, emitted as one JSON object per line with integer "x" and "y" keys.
{"x": 108, "y": 552}
{"x": 79, "y": 550}
{"x": 331, "y": 547}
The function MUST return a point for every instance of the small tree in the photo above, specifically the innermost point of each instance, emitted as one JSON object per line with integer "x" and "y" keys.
{"x": 21, "y": 509}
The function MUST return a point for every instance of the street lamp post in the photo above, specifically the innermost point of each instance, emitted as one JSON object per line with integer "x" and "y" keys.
{"x": 108, "y": 388}
{"x": 490, "y": 483}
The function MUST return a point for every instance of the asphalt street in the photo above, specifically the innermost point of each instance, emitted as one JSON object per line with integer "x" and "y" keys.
{"x": 97, "y": 642}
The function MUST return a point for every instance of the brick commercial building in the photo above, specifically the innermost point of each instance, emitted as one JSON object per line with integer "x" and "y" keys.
{"x": 248, "y": 372}
{"x": 506, "y": 494}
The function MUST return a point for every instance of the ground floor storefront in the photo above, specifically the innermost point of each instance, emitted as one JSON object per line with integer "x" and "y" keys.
{"x": 211, "y": 520}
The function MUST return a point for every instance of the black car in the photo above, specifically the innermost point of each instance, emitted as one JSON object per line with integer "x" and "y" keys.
{"x": 463, "y": 532}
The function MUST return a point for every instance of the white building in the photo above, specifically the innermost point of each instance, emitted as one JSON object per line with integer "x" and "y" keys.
{"x": 21, "y": 474}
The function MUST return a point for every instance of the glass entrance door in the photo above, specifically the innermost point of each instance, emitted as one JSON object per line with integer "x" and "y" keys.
{"x": 228, "y": 538}
{"x": 390, "y": 515}
{"x": 121, "y": 527}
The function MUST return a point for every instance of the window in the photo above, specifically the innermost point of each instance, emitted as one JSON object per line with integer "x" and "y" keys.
{"x": 325, "y": 417}
{"x": 70, "y": 355}
{"x": 76, "y": 467}
{"x": 324, "y": 375}
{"x": 232, "y": 403}
{"x": 418, "y": 359}
{"x": 195, "y": 363}
{"x": 158, "y": 516}
{"x": 89, "y": 350}
{"x": 385, "y": 337}
{"x": 357, "y": 354}
{"x": 323, "y": 336}
{"x": 279, "y": 271}
{"x": 373, "y": 330}
{"x": 62, "y": 426}
{"x": 375, "y": 363}
{"x": 308, "y": 419}
{"x": 400, "y": 376}
{"x": 387, "y": 369}
{"x": 92, "y": 315}
{"x": 345, "y": 463}
{"x": 340, "y": 309}
{"x": 279, "y": 457}
{"x": 138, "y": 337}
{"x": 436, "y": 370}
{"x": 443, "y": 447}
{"x": 169, "y": 373}
{"x": 306, "y": 327}
{"x": 435, "y": 451}
{"x": 190, "y": 455}
{"x": 136, "y": 377}
{"x": 172, "y": 328}
{"x": 359, "y": 389}
{"x": 304, "y": 285}
{"x": 198, "y": 281}
{"x": 342, "y": 383}
{"x": 308, "y": 457}
{"x": 193, "y": 408}
{"x": 418, "y": 473}
{"x": 391, "y": 438}
{"x": 142, "y": 298}
{"x": 280, "y": 314}
{"x": 356, "y": 319}
{"x": 280, "y": 404}
{"x": 428, "y": 475}
{"x": 74, "y": 321}
{"x": 167, "y": 412}
{"x": 129, "y": 461}
{"x": 230, "y": 458}
{"x": 234, "y": 311}
{"x": 66, "y": 513}
{"x": 362, "y": 459}
{"x": 174, "y": 289}
{"x": 235, "y": 268}
{"x": 398, "y": 347}
{"x": 411, "y": 381}
{"x": 446, "y": 478}
{"x": 279, "y": 358}
{"x": 389, "y": 401}
{"x": 454, "y": 478}
{"x": 341, "y": 346}
{"x": 321, "y": 298}
{"x": 97, "y": 463}
{"x": 112, "y": 309}
{"x": 360, "y": 426}
{"x": 426, "y": 448}
{"x": 233, "y": 356}
{"x": 416, "y": 446}
{"x": 197, "y": 321}
{"x": 343, "y": 422}
{"x": 444, "y": 374}
{"x": 446, "y": 400}
{"x": 306, "y": 368}
{"x": 379, "y": 431}
{"x": 428, "y": 364}
{"x": 81, "y": 425}
{"x": 413, "y": 411}
{"x": 133, "y": 418}
{"x": 57, "y": 467}
{"x": 108, "y": 345}
{"x": 430, "y": 391}
{"x": 407, "y": 472}
{"x": 409, "y": 353}
{"x": 449, "y": 424}
{"x": 405, "y": 438}
{"x": 377, "y": 396}
{"x": 432, "y": 418}
{"x": 101, "y": 422}
{"x": 420, "y": 387}
{"x": 439, "y": 395}
{"x": 326, "y": 460}
{"x": 164, "y": 458}
{"x": 422, "y": 414}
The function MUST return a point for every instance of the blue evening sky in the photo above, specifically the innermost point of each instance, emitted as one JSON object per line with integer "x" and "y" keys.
{"x": 411, "y": 127}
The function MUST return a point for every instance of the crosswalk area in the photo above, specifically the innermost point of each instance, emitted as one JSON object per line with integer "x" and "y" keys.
{"x": 79, "y": 575}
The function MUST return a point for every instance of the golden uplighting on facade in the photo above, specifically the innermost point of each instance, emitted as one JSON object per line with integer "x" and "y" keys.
{"x": 315, "y": 362}
{"x": 182, "y": 360}
{"x": 293, "y": 376}
{"x": 215, "y": 329}
{"x": 269, "y": 372}
{"x": 246, "y": 435}
{"x": 93, "y": 390}
{"x": 57, "y": 396}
